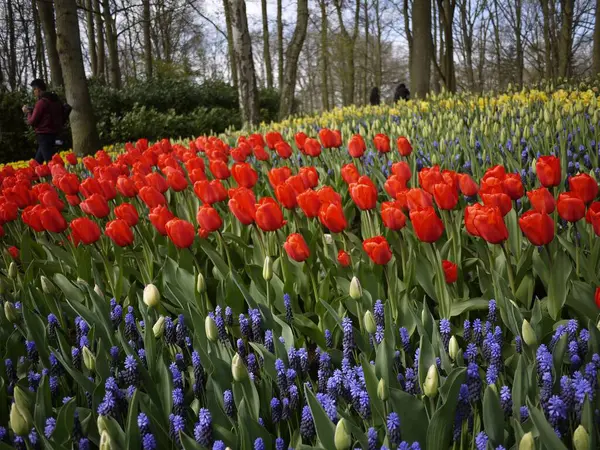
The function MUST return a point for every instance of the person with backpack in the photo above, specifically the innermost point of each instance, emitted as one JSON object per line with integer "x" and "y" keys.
{"x": 401, "y": 93}
{"x": 47, "y": 117}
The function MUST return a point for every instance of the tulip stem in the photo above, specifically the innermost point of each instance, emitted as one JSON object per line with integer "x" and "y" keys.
{"x": 509, "y": 268}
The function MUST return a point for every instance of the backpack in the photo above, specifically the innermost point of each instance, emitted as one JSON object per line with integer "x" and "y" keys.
{"x": 66, "y": 112}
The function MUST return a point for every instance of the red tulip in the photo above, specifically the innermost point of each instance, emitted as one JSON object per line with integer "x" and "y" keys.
{"x": 541, "y": 200}
{"x": 445, "y": 196}
{"x": 392, "y": 215}
{"x": 309, "y": 203}
{"x": 382, "y": 143}
{"x": 260, "y": 153}
{"x": 157, "y": 181}
{"x": 73, "y": 200}
{"x": 467, "y": 186}
{"x": 71, "y": 158}
{"x": 548, "y": 170}
{"x": 356, "y": 146}
{"x": 537, "y": 227}
{"x": 286, "y": 195}
{"x": 378, "y": 250}
{"x": 513, "y": 186}
{"x": 96, "y": 206}
{"x": 244, "y": 175}
{"x": 108, "y": 189}
{"x": 497, "y": 171}
{"x": 90, "y": 186}
{"x": 176, "y": 180}
{"x": 328, "y": 195}
{"x": 210, "y": 191}
{"x": 597, "y": 297}
{"x": 404, "y": 146}
{"x": 126, "y": 187}
{"x": 50, "y": 198}
{"x": 68, "y": 183}
{"x": 272, "y": 138}
{"x": 584, "y": 186}
{"x": 402, "y": 171}
{"x": 151, "y": 197}
{"x": 592, "y": 216}
{"x": 427, "y": 225}
{"x": 268, "y": 215}
{"x": 159, "y": 216}
{"x": 128, "y": 213}
{"x": 31, "y": 217}
{"x": 501, "y": 200}
{"x": 343, "y": 258}
{"x": 417, "y": 199}
{"x": 312, "y": 147}
{"x": 332, "y": 217}
{"x": 219, "y": 169}
{"x": 120, "y": 233}
{"x": 570, "y": 207}
{"x": 279, "y": 175}
{"x": 84, "y": 230}
{"x": 14, "y": 252}
{"x": 283, "y": 149}
{"x": 296, "y": 248}
{"x": 429, "y": 177}
{"x": 309, "y": 176}
{"x": 364, "y": 193}
{"x": 328, "y": 138}
{"x": 180, "y": 232}
{"x": 393, "y": 185}
{"x": 300, "y": 139}
{"x": 489, "y": 223}
{"x": 242, "y": 205}
{"x": 350, "y": 173}
{"x": 52, "y": 220}
{"x": 208, "y": 218}
{"x": 450, "y": 271}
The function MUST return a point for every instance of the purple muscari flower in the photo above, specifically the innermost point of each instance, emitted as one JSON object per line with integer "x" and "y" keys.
{"x": 148, "y": 442}
{"x": 52, "y": 325}
{"x": 259, "y": 444}
{"x": 108, "y": 407}
{"x": 169, "y": 333}
{"x": 241, "y": 348}
{"x": 143, "y": 423}
{"x": 279, "y": 444}
{"x": 546, "y": 388}
{"x": 524, "y": 413}
{"x": 76, "y": 358}
{"x": 445, "y": 330}
{"x": 405, "y": 338}
{"x": 269, "y": 344}
{"x": 335, "y": 384}
{"x": 245, "y": 327}
{"x": 379, "y": 334}
{"x": 411, "y": 382}
{"x": 492, "y": 314}
{"x": 463, "y": 411}
{"x": 467, "y": 330}
{"x": 53, "y": 382}
{"x": 256, "y": 325}
{"x": 379, "y": 313}
{"x": 364, "y": 405}
{"x": 307, "y": 426}
{"x": 131, "y": 332}
{"x": 19, "y": 443}
{"x": 176, "y": 374}
{"x": 228, "y": 403}
{"x": 471, "y": 352}
{"x": 176, "y": 425}
{"x": 199, "y": 376}
{"x": 116, "y": 316}
{"x": 328, "y": 405}
{"x": 557, "y": 410}
{"x": 181, "y": 331}
{"x": 84, "y": 444}
{"x": 372, "y": 438}
{"x": 416, "y": 359}
{"x": 32, "y": 353}
{"x": 393, "y": 428}
{"x": 574, "y": 355}
{"x": 506, "y": 400}
{"x": 572, "y": 327}
{"x": 566, "y": 391}
{"x": 275, "y": 410}
{"x": 477, "y": 331}
{"x": 294, "y": 397}
{"x": 130, "y": 374}
{"x": 518, "y": 344}
{"x": 481, "y": 441}
{"x": 544, "y": 359}
{"x": 203, "y": 428}
{"x": 287, "y": 302}
{"x": 584, "y": 337}
{"x": 285, "y": 409}
{"x": 582, "y": 388}
{"x": 473, "y": 382}
{"x": 178, "y": 406}
{"x": 293, "y": 359}
{"x": 328, "y": 339}
{"x": 302, "y": 356}
{"x": 228, "y": 316}
{"x": 50, "y": 427}
{"x": 560, "y": 330}
{"x": 142, "y": 355}
{"x": 253, "y": 368}
{"x": 495, "y": 354}
{"x": 219, "y": 445}
{"x": 220, "y": 323}
{"x": 348, "y": 341}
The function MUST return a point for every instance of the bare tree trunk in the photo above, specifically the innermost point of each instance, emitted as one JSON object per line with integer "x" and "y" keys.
{"x": 47, "y": 18}
{"x": 324, "y": 56}
{"x": 378, "y": 67}
{"x": 286, "y": 99}
{"x": 596, "y": 51}
{"x": 409, "y": 36}
{"x": 230, "y": 49}
{"x": 91, "y": 35}
{"x": 12, "y": 45}
{"x": 421, "y": 59}
{"x": 100, "y": 52}
{"x": 547, "y": 39}
{"x": 279, "y": 46}
{"x": 113, "y": 49}
{"x": 366, "y": 56}
{"x": 565, "y": 43}
{"x": 266, "y": 46}
{"x": 147, "y": 40}
{"x": 519, "y": 41}
{"x": 349, "y": 42}
{"x": 467, "y": 33}
{"x": 83, "y": 122}
{"x": 495, "y": 23}
{"x": 248, "y": 93}
{"x": 446, "y": 10}
{"x": 39, "y": 42}
{"x": 481, "y": 65}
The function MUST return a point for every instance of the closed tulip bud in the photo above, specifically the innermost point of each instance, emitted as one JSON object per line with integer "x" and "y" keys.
{"x": 328, "y": 239}
{"x": 89, "y": 360}
{"x": 527, "y": 442}
{"x": 11, "y": 313}
{"x": 342, "y": 438}
{"x": 268, "y": 269}
{"x": 12, "y": 270}
{"x": 22, "y": 399}
{"x": 430, "y": 387}
{"x": 47, "y": 285}
{"x": 528, "y": 333}
{"x": 210, "y": 327}
{"x": 105, "y": 441}
{"x": 159, "y": 327}
{"x": 238, "y": 368}
{"x": 370, "y": 325}
{"x": 581, "y": 439}
{"x": 20, "y": 420}
{"x": 383, "y": 391}
{"x": 200, "y": 284}
{"x": 598, "y": 325}
{"x": 98, "y": 291}
{"x": 355, "y": 290}
{"x": 453, "y": 347}
{"x": 151, "y": 296}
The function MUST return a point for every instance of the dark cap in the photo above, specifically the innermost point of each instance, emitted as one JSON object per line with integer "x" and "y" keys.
{"x": 38, "y": 83}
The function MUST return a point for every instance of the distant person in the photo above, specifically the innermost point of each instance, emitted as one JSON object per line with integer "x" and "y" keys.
{"x": 375, "y": 97}
{"x": 47, "y": 118}
{"x": 401, "y": 93}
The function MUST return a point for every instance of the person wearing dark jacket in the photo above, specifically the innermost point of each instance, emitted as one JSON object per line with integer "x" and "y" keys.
{"x": 375, "y": 99}
{"x": 46, "y": 118}
{"x": 401, "y": 93}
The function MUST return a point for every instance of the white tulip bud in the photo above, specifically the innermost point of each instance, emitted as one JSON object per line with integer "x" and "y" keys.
{"x": 151, "y": 296}
{"x": 383, "y": 391}
{"x": 105, "y": 441}
{"x": 47, "y": 286}
{"x": 581, "y": 439}
{"x": 159, "y": 327}
{"x": 20, "y": 420}
{"x": 430, "y": 387}
{"x": 89, "y": 360}
{"x": 238, "y": 368}
{"x": 12, "y": 270}
{"x": 200, "y": 284}
{"x": 342, "y": 437}
{"x": 528, "y": 333}
{"x": 268, "y": 269}
{"x": 369, "y": 321}
{"x": 355, "y": 290}
{"x": 328, "y": 239}
{"x": 453, "y": 348}
{"x": 11, "y": 313}
{"x": 527, "y": 442}
{"x": 98, "y": 291}
{"x": 210, "y": 327}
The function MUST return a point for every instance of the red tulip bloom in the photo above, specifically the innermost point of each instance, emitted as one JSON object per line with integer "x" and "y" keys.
{"x": 418, "y": 199}
{"x": 90, "y": 186}
{"x": 363, "y": 193}
{"x": 210, "y": 191}
{"x": 209, "y": 219}
{"x": 279, "y": 175}
{"x": 404, "y": 146}
{"x": 541, "y": 200}
{"x": 497, "y": 171}
{"x": 332, "y": 217}
{"x": 537, "y": 227}
{"x": 378, "y": 250}
{"x": 393, "y": 185}
{"x": 501, "y": 200}
{"x": 489, "y": 224}
{"x": 312, "y": 147}
{"x": 300, "y": 139}
{"x": 242, "y": 205}
{"x": 159, "y": 216}
{"x": 157, "y": 181}
{"x": 467, "y": 186}
{"x": 356, "y": 146}
{"x": 597, "y": 297}
{"x": 219, "y": 169}
{"x": 570, "y": 207}
{"x": 309, "y": 203}
{"x": 402, "y": 170}
{"x": 584, "y": 186}
{"x": 272, "y": 138}
{"x": 328, "y": 195}
{"x": 108, "y": 189}
{"x": 592, "y": 212}
{"x": 343, "y": 258}
{"x": 328, "y": 138}
{"x": 296, "y": 248}
{"x": 31, "y": 217}
{"x": 176, "y": 180}
{"x": 283, "y": 149}
{"x": 52, "y": 220}
{"x": 68, "y": 183}
{"x": 51, "y": 198}
{"x": 392, "y": 216}
{"x": 126, "y": 187}
{"x": 119, "y": 232}
{"x": 548, "y": 170}
{"x": 350, "y": 173}
{"x": 180, "y": 232}
{"x": 309, "y": 176}
{"x": 14, "y": 252}
{"x": 151, "y": 197}
{"x": 268, "y": 215}
{"x": 286, "y": 195}
{"x": 427, "y": 225}
{"x": 450, "y": 271}
{"x": 128, "y": 213}
{"x": 96, "y": 206}
{"x": 513, "y": 186}
{"x": 429, "y": 177}
{"x": 445, "y": 196}
{"x": 71, "y": 158}
{"x": 73, "y": 200}
{"x": 382, "y": 143}
{"x": 84, "y": 230}
{"x": 244, "y": 175}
